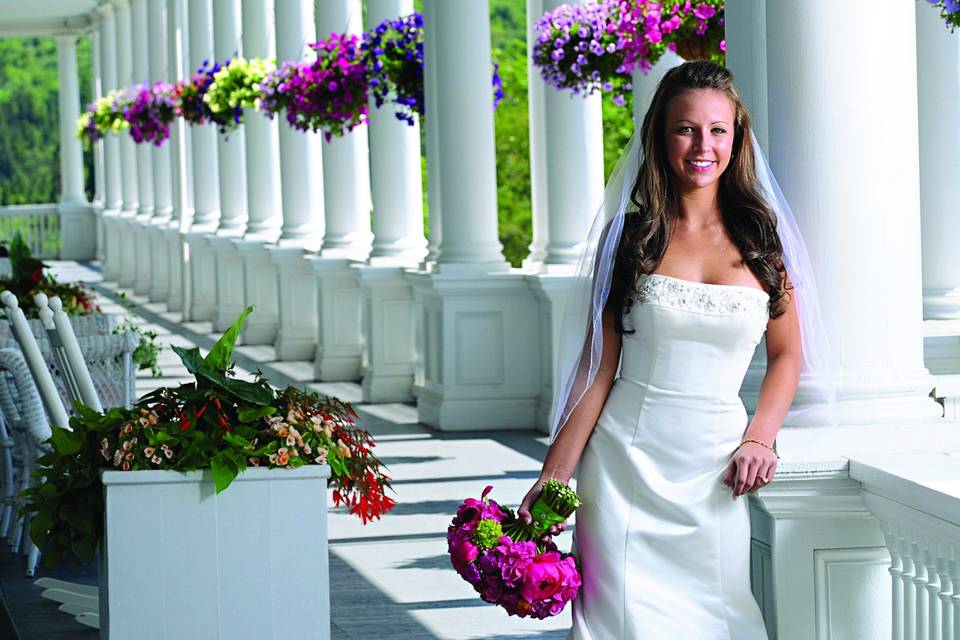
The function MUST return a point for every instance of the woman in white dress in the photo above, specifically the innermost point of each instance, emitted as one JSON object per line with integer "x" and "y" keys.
{"x": 666, "y": 455}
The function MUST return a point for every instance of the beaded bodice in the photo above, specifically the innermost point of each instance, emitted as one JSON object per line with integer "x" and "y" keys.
{"x": 702, "y": 297}
{"x": 692, "y": 339}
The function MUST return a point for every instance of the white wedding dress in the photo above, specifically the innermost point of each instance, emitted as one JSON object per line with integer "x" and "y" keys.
{"x": 663, "y": 548}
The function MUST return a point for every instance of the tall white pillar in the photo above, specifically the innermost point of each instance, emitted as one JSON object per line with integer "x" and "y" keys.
{"x": 468, "y": 188}
{"x": 746, "y": 34}
{"x": 228, "y": 303}
{"x": 434, "y": 214}
{"x": 645, "y": 84}
{"x": 159, "y": 70}
{"x": 398, "y": 241}
{"x": 477, "y": 323}
{"x": 263, "y": 187}
{"x": 301, "y": 163}
{"x": 396, "y": 182}
{"x": 347, "y": 231}
{"x": 263, "y": 152}
{"x": 875, "y": 327}
{"x": 71, "y": 156}
{"x": 346, "y": 173}
{"x": 938, "y": 61}
{"x": 113, "y": 189}
{"x": 146, "y": 156}
{"x": 77, "y": 224}
{"x": 201, "y": 266}
{"x": 129, "y": 172}
{"x": 177, "y": 255}
{"x": 573, "y": 145}
{"x": 96, "y": 85}
{"x": 538, "y": 185}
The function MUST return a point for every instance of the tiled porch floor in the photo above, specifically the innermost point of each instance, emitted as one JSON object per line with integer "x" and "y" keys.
{"x": 392, "y": 578}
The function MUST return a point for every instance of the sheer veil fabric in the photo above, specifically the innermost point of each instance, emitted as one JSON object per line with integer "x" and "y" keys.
{"x": 581, "y": 336}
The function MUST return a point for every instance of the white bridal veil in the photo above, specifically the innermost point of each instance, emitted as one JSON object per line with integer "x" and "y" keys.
{"x": 581, "y": 336}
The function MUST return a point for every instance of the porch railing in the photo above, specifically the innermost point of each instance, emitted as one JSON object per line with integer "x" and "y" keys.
{"x": 916, "y": 499}
{"x": 39, "y": 224}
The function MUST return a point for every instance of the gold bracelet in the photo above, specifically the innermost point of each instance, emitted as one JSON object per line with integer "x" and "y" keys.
{"x": 761, "y": 443}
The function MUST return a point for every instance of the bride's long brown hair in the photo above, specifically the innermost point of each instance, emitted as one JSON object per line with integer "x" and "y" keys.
{"x": 749, "y": 220}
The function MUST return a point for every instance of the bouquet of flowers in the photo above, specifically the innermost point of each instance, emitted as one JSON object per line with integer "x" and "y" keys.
{"x": 949, "y": 11}
{"x": 235, "y": 85}
{"x": 577, "y": 48}
{"x": 393, "y": 55}
{"x": 328, "y": 94}
{"x": 217, "y": 422}
{"x": 505, "y": 562}
{"x": 104, "y": 115}
{"x": 151, "y": 112}
{"x": 189, "y": 96}
{"x": 694, "y": 30}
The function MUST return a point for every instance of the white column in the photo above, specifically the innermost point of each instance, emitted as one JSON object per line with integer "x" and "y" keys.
{"x": 468, "y": 189}
{"x": 159, "y": 70}
{"x": 96, "y": 84}
{"x": 113, "y": 190}
{"x": 130, "y": 185}
{"x": 301, "y": 154}
{"x": 228, "y": 301}
{"x": 301, "y": 163}
{"x": 77, "y": 223}
{"x": 141, "y": 74}
{"x": 346, "y": 172}
{"x": 201, "y": 269}
{"x": 71, "y": 156}
{"x": 938, "y": 59}
{"x": 746, "y": 34}
{"x": 434, "y": 215}
{"x": 864, "y": 242}
{"x": 538, "y": 185}
{"x": 396, "y": 183}
{"x": 573, "y": 146}
{"x": 204, "y": 138}
{"x": 263, "y": 151}
{"x": 177, "y": 255}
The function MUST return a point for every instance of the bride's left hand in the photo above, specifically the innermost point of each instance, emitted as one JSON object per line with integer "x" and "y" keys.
{"x": 751, "y": 464}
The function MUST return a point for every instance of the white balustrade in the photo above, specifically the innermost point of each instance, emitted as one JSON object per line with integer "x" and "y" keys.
{"x": 37, "y": 224}
{"x": 916, "y": 499}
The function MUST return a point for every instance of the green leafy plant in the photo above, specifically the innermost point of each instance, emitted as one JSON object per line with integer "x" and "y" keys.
{"x": 217, "y": 422}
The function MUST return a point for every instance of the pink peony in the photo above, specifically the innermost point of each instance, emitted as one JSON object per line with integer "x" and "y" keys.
{"x": 542, "y": 578}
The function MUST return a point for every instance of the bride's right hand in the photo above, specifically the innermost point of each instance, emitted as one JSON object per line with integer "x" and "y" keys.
{"x": 523, "y": 512}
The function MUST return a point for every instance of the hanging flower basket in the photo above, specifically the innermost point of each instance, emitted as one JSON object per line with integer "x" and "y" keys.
{"x": 694, "y": 30}
{"x": 692, "y": 49}
{"x": 949, "y": 12}
{"x": 235, "y": 86}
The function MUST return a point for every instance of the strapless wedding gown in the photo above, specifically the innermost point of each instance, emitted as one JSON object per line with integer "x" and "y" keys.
{"x": 664, "y": 549}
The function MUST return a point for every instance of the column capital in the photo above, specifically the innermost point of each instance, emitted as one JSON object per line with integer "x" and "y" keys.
{"x": 105, "y": 9}
{"x": 64, "y": 39}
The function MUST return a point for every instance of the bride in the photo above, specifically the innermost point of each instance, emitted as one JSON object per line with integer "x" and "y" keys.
{"x": 683, "y": 280}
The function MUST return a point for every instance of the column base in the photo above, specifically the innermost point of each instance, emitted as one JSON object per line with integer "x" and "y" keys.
{"x": 230, "y": 301}
{"x": 159, "y": 265}
{"x": 551, "y": 290}
{"x": 297, "y": 304}
{"x": 126, "y": 236}
{"x": 389, "y": 336}
{"x": 260, "y": 291}
{"x": 202, "y": 272}
{"x": 111, "y": 256}
{"x": 479, "y": 337}
{"x": 143, "y": 249}
{"x": 78, "y": 231}
{"x": 176, "y": 254}
{"x": 339, "y": 349}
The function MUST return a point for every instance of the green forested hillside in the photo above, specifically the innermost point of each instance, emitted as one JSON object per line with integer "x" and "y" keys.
{"x": 29, "y": 139}
{"x": 29, "y": 119}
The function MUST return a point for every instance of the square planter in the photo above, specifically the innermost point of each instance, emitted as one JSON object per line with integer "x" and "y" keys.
{"x": 179, "y": 561}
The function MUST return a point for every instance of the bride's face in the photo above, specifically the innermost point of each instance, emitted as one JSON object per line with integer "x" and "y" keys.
{"x": 699, "y": 137}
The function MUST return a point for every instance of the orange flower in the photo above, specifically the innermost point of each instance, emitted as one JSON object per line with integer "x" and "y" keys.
{"x": 283, "y": 459}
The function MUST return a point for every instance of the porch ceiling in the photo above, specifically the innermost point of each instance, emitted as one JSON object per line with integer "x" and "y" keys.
{"x": 44, "y": 17}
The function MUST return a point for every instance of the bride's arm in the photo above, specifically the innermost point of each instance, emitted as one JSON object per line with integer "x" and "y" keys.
{"x": 564, "y": 453}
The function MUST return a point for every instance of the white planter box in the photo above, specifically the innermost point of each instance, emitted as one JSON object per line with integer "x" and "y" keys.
{"x": 179, "y": 561}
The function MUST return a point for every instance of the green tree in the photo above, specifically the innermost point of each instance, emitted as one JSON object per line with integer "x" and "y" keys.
{"x": 29, "y": 119}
